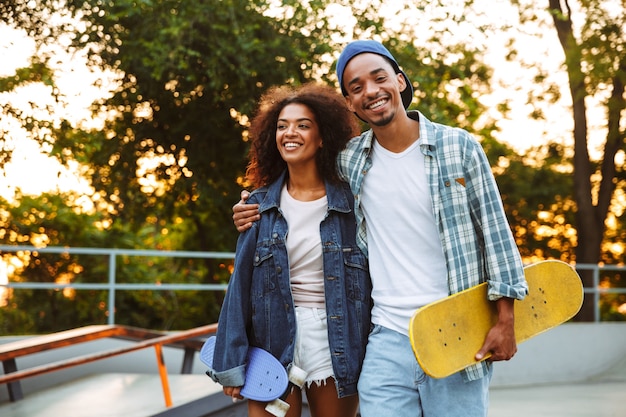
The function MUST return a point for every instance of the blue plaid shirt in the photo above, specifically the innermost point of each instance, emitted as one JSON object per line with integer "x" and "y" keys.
{"x": 477, "y": 242}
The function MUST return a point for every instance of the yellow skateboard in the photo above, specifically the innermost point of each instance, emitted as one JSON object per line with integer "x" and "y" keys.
{"x": 445, "y": 335}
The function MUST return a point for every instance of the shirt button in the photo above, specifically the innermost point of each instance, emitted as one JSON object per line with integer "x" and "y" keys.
{"x": 279, "y": 269}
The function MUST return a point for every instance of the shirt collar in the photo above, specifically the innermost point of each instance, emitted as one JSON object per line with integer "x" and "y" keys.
{"x": 337, "y": 195}
{"x": 426, "y": 132}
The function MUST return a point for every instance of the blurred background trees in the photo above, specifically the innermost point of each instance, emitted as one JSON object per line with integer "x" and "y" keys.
{"x": 164, "y": 149}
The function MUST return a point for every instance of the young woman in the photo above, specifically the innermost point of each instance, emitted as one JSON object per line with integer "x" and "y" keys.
{"x": 300, "y": 288}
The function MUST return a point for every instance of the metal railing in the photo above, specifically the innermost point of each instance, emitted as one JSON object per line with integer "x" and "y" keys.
{"x": 596, "y": 289}
{"x": 112, "y": 285}
{"x": 188, "y": 340}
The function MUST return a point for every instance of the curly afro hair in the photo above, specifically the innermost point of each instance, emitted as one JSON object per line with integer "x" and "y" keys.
{"x": 337, "y": 125}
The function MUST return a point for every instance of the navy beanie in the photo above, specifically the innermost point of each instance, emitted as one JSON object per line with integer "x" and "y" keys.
{"x": 368, "y": 46}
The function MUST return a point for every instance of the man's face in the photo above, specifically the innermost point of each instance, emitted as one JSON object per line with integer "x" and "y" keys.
{"x": 373, "y": 89}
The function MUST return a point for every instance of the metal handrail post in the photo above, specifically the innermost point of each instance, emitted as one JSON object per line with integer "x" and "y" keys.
{"x": 111, "y": 304}
{"x": 596, "y": 294}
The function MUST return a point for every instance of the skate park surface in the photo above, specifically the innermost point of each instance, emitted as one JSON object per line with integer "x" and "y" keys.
{"x": 576, "y": 369}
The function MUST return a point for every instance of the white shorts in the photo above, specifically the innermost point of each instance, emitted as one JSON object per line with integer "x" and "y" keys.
{"x": 312, "y": 352}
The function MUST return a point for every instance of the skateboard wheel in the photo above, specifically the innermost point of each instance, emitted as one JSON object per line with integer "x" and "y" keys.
{"x": 297, "y": 376}
{"x": 277, "y": 407}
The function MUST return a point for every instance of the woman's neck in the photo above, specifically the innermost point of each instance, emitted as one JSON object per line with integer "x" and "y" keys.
{"x": 305, "y": 186}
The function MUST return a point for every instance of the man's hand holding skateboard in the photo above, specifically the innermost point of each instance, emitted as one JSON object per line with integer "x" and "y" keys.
{"x": 446, "y": 333}
{"x": 500, "y": 342}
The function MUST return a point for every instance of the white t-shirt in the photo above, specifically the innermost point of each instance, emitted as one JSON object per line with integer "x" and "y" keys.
{"x": 304, "y": 248}
{"x": 406, "y": 258}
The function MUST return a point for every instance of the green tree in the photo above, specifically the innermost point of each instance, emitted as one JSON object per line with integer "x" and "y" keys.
{"x": 537, "y": 199}
{"x": 53, "y": 220}
{"x": 591, "y": 34}
{"x": 167, "y": 166}
{"x": 168, "y": 163}
{"x": 48, "y": 220}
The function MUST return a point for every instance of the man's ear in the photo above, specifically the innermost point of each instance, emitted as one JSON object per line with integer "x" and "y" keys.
{"x": 401, "y": 81}
{"x": 349, "y": 103}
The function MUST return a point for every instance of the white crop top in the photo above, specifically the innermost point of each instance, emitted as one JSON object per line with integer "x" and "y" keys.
{"x": 304, "y": 248}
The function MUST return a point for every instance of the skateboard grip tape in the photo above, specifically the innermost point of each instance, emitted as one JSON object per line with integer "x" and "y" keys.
{"x": 266, "y": 378}
{"x": 270, "y": 382}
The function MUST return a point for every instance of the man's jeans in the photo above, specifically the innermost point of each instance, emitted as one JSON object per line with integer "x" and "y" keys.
{"x": 393, "y": 384}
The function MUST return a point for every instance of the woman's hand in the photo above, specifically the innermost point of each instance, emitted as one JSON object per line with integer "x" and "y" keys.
{"x": 234, "y": 392}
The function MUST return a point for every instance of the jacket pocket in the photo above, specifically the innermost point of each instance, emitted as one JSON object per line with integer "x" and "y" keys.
{"x": 358, "y": 283}
{"x": 262, "y": 278}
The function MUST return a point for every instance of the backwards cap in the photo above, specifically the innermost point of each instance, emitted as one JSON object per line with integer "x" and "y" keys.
{"x": 369, "y": 46}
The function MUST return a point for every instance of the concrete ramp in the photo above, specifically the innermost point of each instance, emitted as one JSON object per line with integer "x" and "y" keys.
{"x": 589, "y": 399}
{"x": 572, "y": 352}
{"x": 577, "y": 369}
{"x": 114, "y": 394}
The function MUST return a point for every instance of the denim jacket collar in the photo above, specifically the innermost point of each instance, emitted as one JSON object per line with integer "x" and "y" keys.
{"x": 337, "y": 199}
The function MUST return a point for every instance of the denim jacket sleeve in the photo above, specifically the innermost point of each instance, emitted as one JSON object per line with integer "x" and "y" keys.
{"x": 232, "y": 341}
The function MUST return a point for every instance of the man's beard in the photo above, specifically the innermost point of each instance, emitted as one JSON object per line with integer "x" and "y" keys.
{"x": 384, "y": 121}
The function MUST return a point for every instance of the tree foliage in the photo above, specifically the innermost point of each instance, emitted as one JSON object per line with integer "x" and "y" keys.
{"x": 47, "y": 220}
{"x": 593, "y": 40}
{"x": 167, "y": 161}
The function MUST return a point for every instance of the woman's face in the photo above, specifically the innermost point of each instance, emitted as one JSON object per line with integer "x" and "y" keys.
{"x": 297, "y": 135}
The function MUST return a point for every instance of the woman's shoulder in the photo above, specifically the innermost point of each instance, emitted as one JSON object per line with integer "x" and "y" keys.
{"x": 257, "y": 195}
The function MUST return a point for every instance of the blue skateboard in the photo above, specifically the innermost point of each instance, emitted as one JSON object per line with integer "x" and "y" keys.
{"x": 266, "y": 378}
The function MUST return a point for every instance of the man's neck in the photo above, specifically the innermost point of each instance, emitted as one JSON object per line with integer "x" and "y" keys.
{"x": 398, "y": 135}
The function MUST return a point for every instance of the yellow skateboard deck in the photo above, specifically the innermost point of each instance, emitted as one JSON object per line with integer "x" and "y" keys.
{"x": 446, "y": 334}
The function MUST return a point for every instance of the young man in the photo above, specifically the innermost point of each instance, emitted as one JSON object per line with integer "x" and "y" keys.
{"x": 430, "y": 219}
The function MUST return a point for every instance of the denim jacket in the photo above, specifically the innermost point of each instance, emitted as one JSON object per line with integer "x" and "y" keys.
{"x": 258, "y": 309}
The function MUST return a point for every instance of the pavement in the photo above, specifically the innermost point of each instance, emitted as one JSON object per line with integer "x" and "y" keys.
{"x": 130, "y": 395}
{"x": 588, "y": 399}
{"x": 602, "y": 395}
{"x": 571, "y": 371}
{"x": 110, "y": 395}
